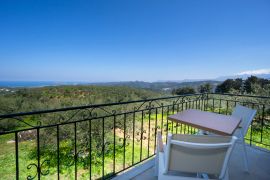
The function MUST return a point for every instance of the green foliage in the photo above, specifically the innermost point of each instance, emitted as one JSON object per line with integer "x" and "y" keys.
{"x": 205, "y": 88}
{"x": 184, "y": 90}
{"x": 252, "y": 85}
{"x": 33, "y": 99}
{"x": 229, "y": 85}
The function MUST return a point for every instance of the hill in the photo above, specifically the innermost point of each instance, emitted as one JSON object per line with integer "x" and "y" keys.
{"x": 32, "y": 99}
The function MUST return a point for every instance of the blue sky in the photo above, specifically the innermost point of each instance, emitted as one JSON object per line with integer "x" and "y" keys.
{"x": 118, "y": 40}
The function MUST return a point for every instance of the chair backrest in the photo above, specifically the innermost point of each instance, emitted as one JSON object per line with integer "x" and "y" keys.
{"x": 246, "y": 115}
{"x": 198, "y": 153}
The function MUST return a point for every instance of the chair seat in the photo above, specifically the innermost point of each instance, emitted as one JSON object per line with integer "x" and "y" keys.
{"x": 176, "y": 175}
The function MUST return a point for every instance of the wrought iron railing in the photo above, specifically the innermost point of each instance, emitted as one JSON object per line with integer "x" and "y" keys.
{"x": 102, "y": 140}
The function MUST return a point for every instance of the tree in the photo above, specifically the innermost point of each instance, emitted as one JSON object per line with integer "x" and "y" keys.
{"x": 230, "y": 85}
{"x": 183, "y": 90}
{"x": 238, "y": 85}
{"x": 249, "y": 83}
{"x": 225, "y": 87}
{"x": 253, "y": 83}
{"x": 205, "y": 88}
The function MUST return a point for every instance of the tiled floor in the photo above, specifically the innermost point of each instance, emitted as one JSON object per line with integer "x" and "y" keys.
{"x": 259, "y": 165}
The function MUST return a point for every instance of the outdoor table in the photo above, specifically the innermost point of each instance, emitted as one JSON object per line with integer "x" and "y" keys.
{"x": 208, "y": 121}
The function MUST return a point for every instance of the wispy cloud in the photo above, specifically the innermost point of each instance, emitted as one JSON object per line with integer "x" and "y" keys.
{"x": 255, "y": 72}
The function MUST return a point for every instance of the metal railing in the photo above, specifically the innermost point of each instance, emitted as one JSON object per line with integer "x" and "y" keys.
{"x": 99, "y": 141}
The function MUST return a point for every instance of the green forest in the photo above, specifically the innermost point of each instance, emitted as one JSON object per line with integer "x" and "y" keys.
{"x": 33, "y": 99}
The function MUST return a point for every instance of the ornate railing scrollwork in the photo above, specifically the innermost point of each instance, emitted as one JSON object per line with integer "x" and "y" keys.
{"x": 39, "y": 170}
{"x": 124, "y": 141}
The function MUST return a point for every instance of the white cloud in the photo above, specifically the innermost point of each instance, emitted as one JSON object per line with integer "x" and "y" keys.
{"x": 255, "y": 72}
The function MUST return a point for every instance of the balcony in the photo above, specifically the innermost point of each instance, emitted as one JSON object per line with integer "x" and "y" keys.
{"x": 118, "y": 140}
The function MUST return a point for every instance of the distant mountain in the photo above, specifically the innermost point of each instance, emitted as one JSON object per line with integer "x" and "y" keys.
{"x": 159, "y": 86}
{"x": 184, "y": 80}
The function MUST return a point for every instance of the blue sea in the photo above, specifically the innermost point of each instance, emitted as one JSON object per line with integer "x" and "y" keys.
{"x": 29, "y": 84}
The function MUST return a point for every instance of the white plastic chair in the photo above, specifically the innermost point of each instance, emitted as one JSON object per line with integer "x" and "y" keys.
{"x": 193, "y": 157}
{"x": 246, "y": 115}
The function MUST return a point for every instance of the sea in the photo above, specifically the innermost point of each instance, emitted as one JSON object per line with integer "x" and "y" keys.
{"x": 29, "y": 84}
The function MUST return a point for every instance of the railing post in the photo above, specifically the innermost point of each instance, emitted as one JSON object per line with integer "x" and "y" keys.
{"x": 17, "y": 155}
{"x": 262, "y": 122}
{"x": 206, "y": 102}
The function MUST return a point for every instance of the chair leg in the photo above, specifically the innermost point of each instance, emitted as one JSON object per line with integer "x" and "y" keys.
{"x": 245, "y": 157}
{"x": 226, "y": 177}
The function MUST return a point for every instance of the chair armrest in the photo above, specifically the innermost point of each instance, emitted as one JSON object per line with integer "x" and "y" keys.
{"x": 160, "y": 142}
